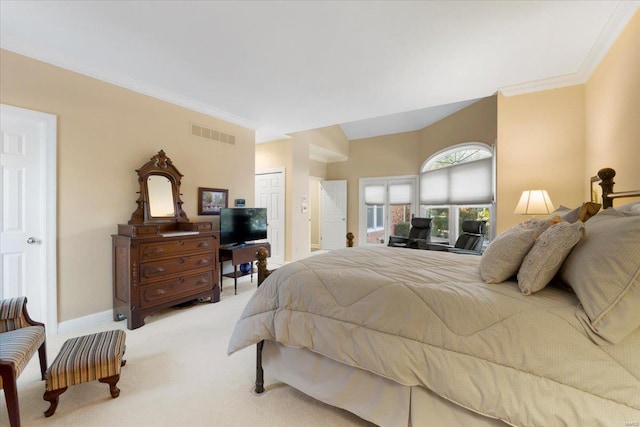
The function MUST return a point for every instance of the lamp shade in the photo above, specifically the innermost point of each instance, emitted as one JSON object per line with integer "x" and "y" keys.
{"x": 534, "y": 202}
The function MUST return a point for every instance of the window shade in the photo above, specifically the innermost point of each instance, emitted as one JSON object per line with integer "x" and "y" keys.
{"x": 467, "y": 183}
{"x": 374, "y": 194}
{"x": 400, "y": 194}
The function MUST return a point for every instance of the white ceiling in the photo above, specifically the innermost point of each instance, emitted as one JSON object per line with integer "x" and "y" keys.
{"x": 281, "y": 67}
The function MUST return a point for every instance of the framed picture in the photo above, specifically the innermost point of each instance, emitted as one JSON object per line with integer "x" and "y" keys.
{"x": 596, "y": 190}
{"x": 211, "y": 200}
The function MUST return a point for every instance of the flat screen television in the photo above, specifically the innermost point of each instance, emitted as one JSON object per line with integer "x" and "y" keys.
{"x": 241, "y": 225}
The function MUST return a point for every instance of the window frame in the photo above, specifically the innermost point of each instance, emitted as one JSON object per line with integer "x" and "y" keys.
{"x": 454, "y": 209}
{"x": 385, "y": 181}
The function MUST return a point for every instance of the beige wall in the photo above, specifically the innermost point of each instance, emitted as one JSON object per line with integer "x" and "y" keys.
{"x": 475, "y": 123}
{"x": 387, "y": 155}
{"x": 540, "y": 146}
{"x": 330, "y": 138}
{"x": 612, "y": 95}
{"x": 317, "y": 169}
{"x": 293, "y": 155}
{"x": 104, "y": 133}
{"x": 314, "y": 211}
{"x": 317, "y": 173}
{"x": 404, "y": 153}
{"x": 276, "y": 154}
{"x": 557, "y": 139}
{"x": 299, "y": 244}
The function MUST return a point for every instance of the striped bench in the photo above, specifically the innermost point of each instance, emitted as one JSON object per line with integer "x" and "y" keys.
{"x": 87, "y": 358}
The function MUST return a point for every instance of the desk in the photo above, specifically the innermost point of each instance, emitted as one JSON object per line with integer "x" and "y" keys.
{"x": 240, "y": 255}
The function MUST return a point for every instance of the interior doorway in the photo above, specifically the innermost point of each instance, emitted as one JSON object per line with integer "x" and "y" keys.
{"x": 28, "y": 211}
{"x": 333, "y": 213}
{"x": 270, "y": 194}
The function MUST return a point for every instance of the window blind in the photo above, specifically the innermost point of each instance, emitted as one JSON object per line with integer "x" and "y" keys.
{"x": 400, "y": 194}
{"x": 374, "y": 194}
{"x": 469, "y": 183}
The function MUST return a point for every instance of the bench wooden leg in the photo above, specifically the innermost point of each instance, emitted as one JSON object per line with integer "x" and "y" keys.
{"x": 112, "y": 381}
{"x": 10, "y": 387}
{"x": 42, "y": 355}
{"x": 52, "y": 396}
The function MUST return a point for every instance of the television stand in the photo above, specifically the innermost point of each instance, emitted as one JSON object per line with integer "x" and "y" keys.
{"x": 240, "y": 254}
{"x": 236, "y": 246}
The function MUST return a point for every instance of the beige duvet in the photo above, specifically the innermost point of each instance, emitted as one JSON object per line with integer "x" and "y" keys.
{"x": 426, "y": 318}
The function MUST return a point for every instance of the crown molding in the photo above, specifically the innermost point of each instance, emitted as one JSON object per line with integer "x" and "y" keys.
{"x": 540, "y": 85}
{"x": 137, "y": 86}
{"x": 617, "y": 22}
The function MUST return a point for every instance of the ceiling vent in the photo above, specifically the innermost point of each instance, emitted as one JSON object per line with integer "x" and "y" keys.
{"x": 212, "y": 134}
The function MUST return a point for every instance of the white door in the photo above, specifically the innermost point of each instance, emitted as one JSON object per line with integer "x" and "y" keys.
{"x": 27, "y": 211}
{"x": 270, "y": 195}
{"x": 334, "y": 214}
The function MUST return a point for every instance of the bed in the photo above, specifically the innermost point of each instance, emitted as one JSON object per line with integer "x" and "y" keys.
{"x": 405, "y": 337}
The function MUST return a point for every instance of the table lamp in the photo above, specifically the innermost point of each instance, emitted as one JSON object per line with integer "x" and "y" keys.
{"x": 534, "y": 202}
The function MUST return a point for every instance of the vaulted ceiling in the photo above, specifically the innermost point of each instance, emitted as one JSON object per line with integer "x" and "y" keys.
{"x": 374, "y": 68}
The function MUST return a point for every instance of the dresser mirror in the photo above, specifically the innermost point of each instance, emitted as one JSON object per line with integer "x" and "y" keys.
{"x": 161, "y": 203}
{"x": 159, "y": 200}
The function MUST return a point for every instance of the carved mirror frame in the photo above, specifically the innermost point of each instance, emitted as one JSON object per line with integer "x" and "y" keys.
{"x": 158, "y": 165}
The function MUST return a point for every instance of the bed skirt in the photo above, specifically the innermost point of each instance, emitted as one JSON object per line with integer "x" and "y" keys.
{"x": 373, "y": 398}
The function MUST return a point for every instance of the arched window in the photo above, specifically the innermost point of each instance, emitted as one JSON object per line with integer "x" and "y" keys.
{"x": 457, "y": 184}
{"x": 457, "y": 154}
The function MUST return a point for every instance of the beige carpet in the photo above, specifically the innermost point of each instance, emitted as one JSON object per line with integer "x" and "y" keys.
{"x": 178, "y": 374}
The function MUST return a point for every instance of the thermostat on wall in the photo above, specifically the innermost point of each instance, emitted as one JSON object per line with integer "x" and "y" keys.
{"x": 240, "y": 203}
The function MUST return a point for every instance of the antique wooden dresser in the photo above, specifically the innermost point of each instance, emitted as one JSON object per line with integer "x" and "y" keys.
{"x": 160, "y": 259}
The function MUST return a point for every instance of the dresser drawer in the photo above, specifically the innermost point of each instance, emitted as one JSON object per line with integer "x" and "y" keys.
{"x": 157, "y": 270}
{"x": 171, "y": 247}
{"x": 167, "y": 290}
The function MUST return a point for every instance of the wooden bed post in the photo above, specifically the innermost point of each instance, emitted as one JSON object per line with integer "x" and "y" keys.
{"x": 261, "y": 254}
{"x": 350, "y": 238}
{"x": 259, "y": 371}
{"x": 606, "y": 175}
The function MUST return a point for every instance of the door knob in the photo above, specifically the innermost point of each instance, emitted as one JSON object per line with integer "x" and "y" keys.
{"x": 32, "y": 240}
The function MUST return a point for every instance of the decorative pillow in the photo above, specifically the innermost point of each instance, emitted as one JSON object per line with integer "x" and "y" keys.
{"x": 545, "y": 258}
{"x": 604, "y": 272}
{"x": 587, "y": 210}
{"x": 581, "y": 213}
{"x": 505, "y": 253}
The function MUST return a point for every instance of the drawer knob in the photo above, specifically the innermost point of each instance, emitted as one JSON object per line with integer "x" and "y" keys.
{"x": 162, "y": 291}
{"x": 203, "y": 261}
{"x": 155, "y": 270}
{"x": 155, "y": 251}
{"x": 203, "y": 281}
{"x": 203, "y": 245}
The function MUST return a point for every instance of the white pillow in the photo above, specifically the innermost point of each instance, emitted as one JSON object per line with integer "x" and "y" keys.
{"x": 632, "y": 207}
{"x": 604, "y": 272}
{"x": 547, "y": 254}
{"x": 505, "y": 253}
{"x": 566, "y": 214}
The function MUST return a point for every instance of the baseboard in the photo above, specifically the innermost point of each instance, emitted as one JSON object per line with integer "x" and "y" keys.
{"x": 79, "y": 323}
